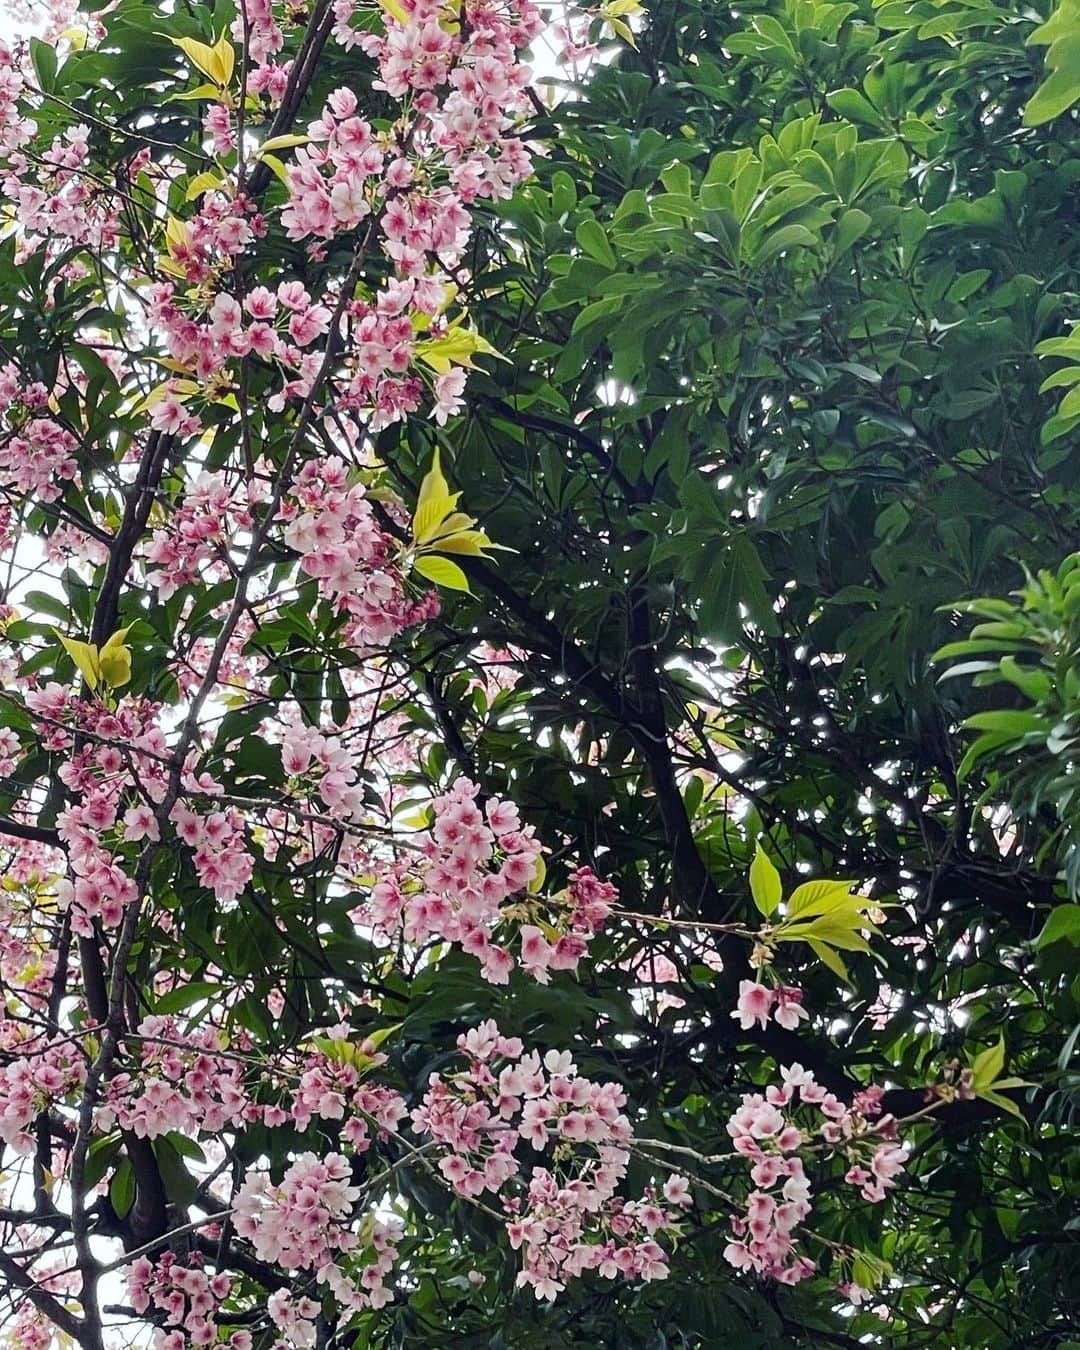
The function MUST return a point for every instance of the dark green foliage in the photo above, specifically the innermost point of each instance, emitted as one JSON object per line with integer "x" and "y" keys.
{"x": 774, "y": 417}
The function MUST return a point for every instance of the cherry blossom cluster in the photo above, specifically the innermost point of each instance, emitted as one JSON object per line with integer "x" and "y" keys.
{"x": 777, "y": 1133}
{"x": 589, "y": 902}
{"x": 331, "y": 524}
{"x": 37, "y": 454}
{"x": 54, "y": 201}
{"x": 572, "y": 33}
{"x": 377, "y": 380}
{"x": 333, "y": 1086}
{"x": 123, "y": 758}
{"x": 256, "y": 29}
{"x": 31, "y": 1328}
{"x": 467, "y": 83}
{"x": 333, "y": 182}
{"x": 37, "y": 1075}
{"x": 52, "y": 19}
{"x": 27, "y": 959}
{"x": 193, "y": 545}
{"x": 315, "y": 761}
{"x": 468, "y": 881}
{"x": 294, "y": 1316}
{"x": 185, "y": 1082}
{"x": 220, "y": 852}
{"x": 308, "y": 1222}
{"x": 184, "y": 1299}
{"x": 566, "y": 1219}
{"x": 569, "y": 1227}
{"x": 758, "y": 1001}
{"x": 200, "y": 252}
{"x": 202, "y": 1079}
{"x": 416, "y": 183}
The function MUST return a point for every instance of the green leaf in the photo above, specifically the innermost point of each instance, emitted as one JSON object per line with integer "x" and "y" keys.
{"x": 1008, "y": 722}
{"x": 1031, "y": 681}
{"x": 735, "y": 580}
{"x": 593, "y": 239}
{"x": 784, "y": 240}
{"x": 855, "y": 107}
{"x": 184, "y": 995}
{"x": 1003, "y": 1103}
{"x": 988, "y": 1064}
{"x": 43, "y": 56}
{"x": 817, "y": 897}
{"x": 100, "y": 1157}
{"x": 830, "y": 958}
{"x": 765, "y": 884}
{"x": 122, "y": 1189}
{"x": 863, "y": 1272}
{"x": 1063, "y": 925}
{"x": 851, "y": 226}
{"x": 1060, "y": 90}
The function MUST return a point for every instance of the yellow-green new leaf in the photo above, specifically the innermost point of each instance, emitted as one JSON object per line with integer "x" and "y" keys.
{"x": 470, "y": 543}
{"x": 199, "y": 92}
{"x": 817, "y": 897}
{"x": 341, "y": 1052}
{"x": 183, "y": 389}
{"x": 442, "y": 572}
{"x": 826, "y": 929}
{"x": 202, "y": 182}
{"x": 765, "y": 885}
{"x": 623, "y": 30}
{"x": 116, "y": 667}
{"x": 276, "y": 167}
{"x": 117, "y": 638}
{"x": 988, "y": 1064}
{"x": 85, "y": 656}
{"x": 396, "y": 10}
{"x": 176, "y": 234}
{"x": 846, "y": 912}
{"x": 830, "y": 958}
{"x": 202, "y": 56}
{"x": 283, "y": 143}
{"x": 455, "y": 348}
{"x": 1005, "y": 1103}
{"x": 452, "y": 523}
{"x": 114, "y": 659}
{"x": 433, "y": 485}
{"x": 224, "y": 60}
{"x": 536, "y": 882}
{"x": 431, "y": 515}
{"x": 376, "y": 1038}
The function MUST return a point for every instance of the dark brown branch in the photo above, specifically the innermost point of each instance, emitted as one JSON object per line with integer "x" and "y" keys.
{"x": 301, "y": 74}
{"x": 44, "y": 1302}
{"x": 38, "y": 833}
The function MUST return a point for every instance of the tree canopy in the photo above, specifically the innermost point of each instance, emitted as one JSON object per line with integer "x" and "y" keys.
{"x": 540, "y": 639}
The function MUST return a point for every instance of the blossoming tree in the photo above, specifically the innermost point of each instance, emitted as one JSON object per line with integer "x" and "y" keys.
{"x": 476, "y": 867}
